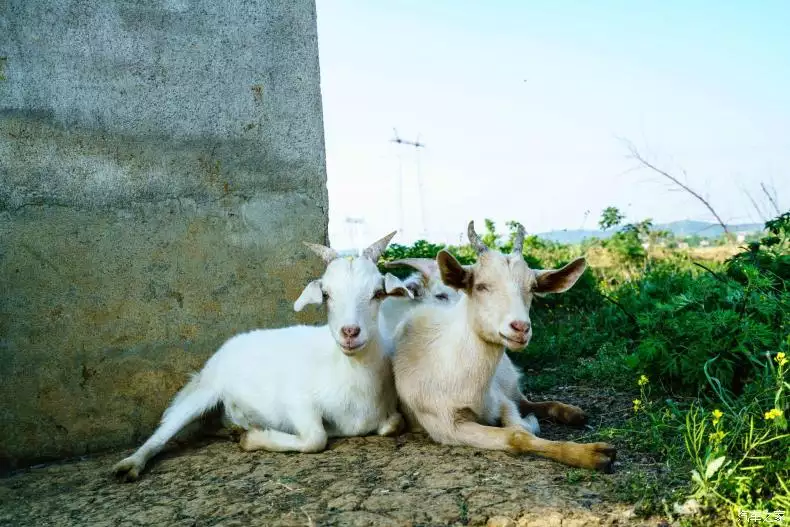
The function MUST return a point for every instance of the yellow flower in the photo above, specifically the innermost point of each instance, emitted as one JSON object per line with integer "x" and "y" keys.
{"x": 780, "y": 358}
{"x": 773, "y": 413}
{"x": 637, "y": 405}
{"x": 717, "y": 415}
{"x": 642, "y": 380}
{"x": 716, "y": 437}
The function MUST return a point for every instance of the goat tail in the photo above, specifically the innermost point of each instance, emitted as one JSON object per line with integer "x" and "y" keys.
{"x": 193, "y": 400}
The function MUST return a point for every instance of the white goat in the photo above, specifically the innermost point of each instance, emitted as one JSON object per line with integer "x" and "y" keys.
{"x": 448, "y": 358}
{"x": 427, "y": 287}
{"x": 291, "y": 388}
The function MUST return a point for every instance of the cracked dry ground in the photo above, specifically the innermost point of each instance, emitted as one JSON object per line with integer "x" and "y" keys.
{"x": 370, "y": 481}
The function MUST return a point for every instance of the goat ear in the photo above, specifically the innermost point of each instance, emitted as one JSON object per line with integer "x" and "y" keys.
{"x": 453, "y": 273}
{"x": 426, "y": 266}
{"x": 312, "y": 294}
{"x": 560, "y": 280}
{"x": 394, "y": 287}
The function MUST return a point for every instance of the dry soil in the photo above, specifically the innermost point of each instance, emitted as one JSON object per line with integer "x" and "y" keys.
{"x": 370, "y": 481}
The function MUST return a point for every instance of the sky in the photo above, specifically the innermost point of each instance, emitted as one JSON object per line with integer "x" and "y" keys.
{"x": 524, "y": 108}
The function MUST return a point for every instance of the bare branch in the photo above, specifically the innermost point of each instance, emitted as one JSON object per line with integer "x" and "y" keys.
{"x": 645, "y": 163}
{"x": 755, "y": 205}
{"x": 771, "y": 199}
{"x": 715, "y": 274}
{"x": 624, "y": 310}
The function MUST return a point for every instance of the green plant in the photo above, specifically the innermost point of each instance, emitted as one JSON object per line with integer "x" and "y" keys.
{"x": 697, "y": 324}
{"x": 769, "y": 256}
{"x": 628, "y": 243}
{"x": 741, "y": 454}
{"x": 610, "y": 217}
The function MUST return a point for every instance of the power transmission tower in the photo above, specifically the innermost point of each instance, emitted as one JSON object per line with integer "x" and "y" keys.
{"x": 354, "y": 227}
{"x": 417, "y": 145}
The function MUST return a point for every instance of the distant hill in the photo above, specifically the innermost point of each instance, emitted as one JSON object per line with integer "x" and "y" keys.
{"x": 681, "y": 229}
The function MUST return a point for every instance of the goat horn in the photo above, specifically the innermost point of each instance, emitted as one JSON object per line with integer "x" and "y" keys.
{"x": 377, "y": 248}
{"x": 474, "y": 239}
{"x": 326, "y": 254}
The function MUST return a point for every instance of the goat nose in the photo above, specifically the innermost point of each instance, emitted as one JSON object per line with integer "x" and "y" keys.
{"x": 351, "y": 331}
{"x": 520, "y": 325}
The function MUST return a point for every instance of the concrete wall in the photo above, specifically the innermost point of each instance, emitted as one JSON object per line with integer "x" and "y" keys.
{"x": 160, "y": 163}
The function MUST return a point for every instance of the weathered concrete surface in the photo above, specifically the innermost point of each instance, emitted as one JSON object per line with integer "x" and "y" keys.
{"x": 160, "y": 163}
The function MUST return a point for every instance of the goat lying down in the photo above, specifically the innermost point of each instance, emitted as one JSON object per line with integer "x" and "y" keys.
{"x": 451, "y": 374}
{"x": 427, "y": 288}
{"x": 291, "y": 388}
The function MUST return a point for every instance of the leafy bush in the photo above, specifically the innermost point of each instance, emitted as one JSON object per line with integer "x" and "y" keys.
{"x": 768, "y": 257}
{"x": 696, "y": 325}
{"x": 691, "y": 327}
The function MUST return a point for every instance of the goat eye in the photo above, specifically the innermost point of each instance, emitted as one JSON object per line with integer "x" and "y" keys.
{"x": 442, "y": 296}
{"x": 481, "y": 287}
{"x": 379, "y": 294}
{"x": 325, "y": 295}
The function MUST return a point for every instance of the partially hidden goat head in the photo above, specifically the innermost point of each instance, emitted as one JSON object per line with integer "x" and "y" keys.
{"x": 352, "y": 288}
{"x": 500, "y": 289}
{"x": 426, "y": 283}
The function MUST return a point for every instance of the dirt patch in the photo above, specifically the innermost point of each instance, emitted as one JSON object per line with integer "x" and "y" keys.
{"x": 370, "y": 481}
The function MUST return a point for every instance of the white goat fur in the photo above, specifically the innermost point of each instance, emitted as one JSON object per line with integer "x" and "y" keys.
{"x": 291, "y": 388}
{"x": 446, "y": 358}
{"x": 428, "y": 289}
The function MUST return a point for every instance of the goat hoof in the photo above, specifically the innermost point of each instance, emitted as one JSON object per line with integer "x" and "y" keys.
{"x": 127, "y": 470}
{"x": 573, "y": 415}
{"x": 603, "y": 456}
{"x": 392, "y": 426}
{"x": 247, "y": 440}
